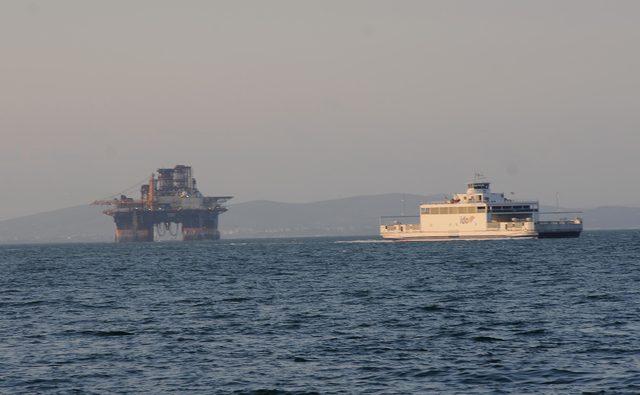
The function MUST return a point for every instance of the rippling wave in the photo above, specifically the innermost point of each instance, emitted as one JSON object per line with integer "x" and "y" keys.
{"x": 323, "y": 316}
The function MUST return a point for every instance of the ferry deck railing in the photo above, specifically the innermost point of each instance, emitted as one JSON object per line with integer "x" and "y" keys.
{"x": 386, "y": 218}
{"x": 509, "y": 201}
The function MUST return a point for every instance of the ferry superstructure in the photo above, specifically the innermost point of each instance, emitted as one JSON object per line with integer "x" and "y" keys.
{"x": 480, "y": 214}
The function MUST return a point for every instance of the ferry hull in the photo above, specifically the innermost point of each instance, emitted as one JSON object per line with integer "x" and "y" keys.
{"x": 542, "y": 230}
{"x": 419, "y": 236}
{"x": 559, "y": 229}
{"x": 559, "y": 235}
{"x": 445, "y": 238}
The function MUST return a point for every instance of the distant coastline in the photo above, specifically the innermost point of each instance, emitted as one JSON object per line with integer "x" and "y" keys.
{"x": 353, "y": 216}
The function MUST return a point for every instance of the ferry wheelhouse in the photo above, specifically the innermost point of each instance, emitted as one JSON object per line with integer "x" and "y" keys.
{"x": 480, "y": 214}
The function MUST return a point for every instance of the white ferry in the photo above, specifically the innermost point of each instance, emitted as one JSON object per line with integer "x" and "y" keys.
{"x": 480, "y": 214}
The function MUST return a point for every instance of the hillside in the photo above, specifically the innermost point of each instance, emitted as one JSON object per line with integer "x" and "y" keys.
{"x": 357, "y": 215}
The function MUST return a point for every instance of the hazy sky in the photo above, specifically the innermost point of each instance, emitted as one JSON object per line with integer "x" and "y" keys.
{"x": 309, "y": 100}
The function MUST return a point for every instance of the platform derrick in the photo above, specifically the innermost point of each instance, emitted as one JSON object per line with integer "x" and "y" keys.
{"x": 171, "y": 197}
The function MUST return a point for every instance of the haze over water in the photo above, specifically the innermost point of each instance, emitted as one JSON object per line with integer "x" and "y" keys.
{"x": 327, "y": 315}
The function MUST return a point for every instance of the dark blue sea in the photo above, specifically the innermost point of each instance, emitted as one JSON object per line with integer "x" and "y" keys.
{"x": 323, "y": 315}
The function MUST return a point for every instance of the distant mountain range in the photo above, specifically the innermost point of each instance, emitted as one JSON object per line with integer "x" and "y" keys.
{"x": 355, "y": 216}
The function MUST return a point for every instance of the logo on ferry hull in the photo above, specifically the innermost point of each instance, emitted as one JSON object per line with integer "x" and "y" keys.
{"x": 467, "y": 220}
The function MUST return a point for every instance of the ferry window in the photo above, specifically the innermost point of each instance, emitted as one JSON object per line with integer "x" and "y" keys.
{"x": 480, "y": 209}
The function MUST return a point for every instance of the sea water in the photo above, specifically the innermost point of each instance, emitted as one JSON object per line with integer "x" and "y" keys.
{"x": 323, "y": 315}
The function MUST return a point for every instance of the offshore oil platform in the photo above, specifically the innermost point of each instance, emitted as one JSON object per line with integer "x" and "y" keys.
{"x": 170, "y": 198}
